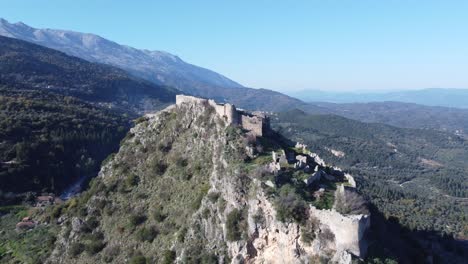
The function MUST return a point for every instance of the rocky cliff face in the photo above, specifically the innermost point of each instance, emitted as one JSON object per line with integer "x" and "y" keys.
{"x": 187, "y": 187}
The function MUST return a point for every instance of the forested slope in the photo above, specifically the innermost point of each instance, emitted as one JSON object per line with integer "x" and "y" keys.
{"x": 418, "y": 176}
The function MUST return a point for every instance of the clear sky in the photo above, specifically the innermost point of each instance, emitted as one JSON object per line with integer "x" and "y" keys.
{"x": 283, "y": 45}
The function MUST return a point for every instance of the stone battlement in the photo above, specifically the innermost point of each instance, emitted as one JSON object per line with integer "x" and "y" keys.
{"x": 256, "y": 122}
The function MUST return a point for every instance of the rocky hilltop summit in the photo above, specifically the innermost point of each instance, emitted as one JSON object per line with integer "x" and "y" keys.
{"x": 201, "y": 182}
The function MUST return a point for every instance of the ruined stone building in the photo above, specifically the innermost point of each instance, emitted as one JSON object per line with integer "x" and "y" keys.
{"x": 255, "y": 122}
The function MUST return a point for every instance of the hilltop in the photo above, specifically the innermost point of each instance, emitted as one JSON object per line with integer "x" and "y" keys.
{"x": 192, "y": 184}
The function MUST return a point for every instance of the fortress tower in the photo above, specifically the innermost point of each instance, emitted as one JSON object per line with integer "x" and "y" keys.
{"x": 255, "y": 122}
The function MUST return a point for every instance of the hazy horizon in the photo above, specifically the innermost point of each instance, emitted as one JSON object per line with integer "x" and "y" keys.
{"x": 328, "y": 46}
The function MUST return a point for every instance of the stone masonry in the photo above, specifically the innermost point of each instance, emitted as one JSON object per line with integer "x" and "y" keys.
{"x": 256, "y": 123}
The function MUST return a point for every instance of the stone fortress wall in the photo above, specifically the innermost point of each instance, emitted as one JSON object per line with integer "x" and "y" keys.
{"x": 256, "y": 122}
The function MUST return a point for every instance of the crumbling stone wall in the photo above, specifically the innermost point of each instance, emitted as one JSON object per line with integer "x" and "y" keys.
{"x": 349, "y": 230}
{"x": 227, "y": 111}
{"x": 253, "y": 124}
{"x": 257, "y": 122}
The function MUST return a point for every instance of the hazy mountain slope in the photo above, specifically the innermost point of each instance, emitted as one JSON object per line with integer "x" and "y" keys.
{"x": 28, "y": 66}
{"x": 399, "y": 114}
{"x": 157, "y": 66}
{"x": 418, "y": 176}
{"x": 61, "y": 115}
{"x": 258, "y": 99}
{"x": 430, "y": 97}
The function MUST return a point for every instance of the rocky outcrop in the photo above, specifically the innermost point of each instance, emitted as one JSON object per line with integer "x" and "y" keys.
{"x": 257, "y": 123}
{"x": 272, "y": 241}
{"x": 180, "y": 183}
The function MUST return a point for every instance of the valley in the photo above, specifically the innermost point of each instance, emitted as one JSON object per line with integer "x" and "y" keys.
{"x": 386, "y": 162}
{"x": 111, "y": 153}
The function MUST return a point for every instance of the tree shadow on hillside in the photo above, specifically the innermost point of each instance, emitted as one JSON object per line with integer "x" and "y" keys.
{"x": 389, "y": 239}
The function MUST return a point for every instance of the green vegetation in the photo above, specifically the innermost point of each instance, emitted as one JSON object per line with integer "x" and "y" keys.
{"x": 308, "y": 230}
{"x": 290, "y": 206}
{"x": 51, "y": 140}
{"x": 138, "y": 259}
{"x": 76, "y": 248}
{"x": 417, "y": 176}
{"x": 32, "y": 246}
{"x": 147, "y": 234}
{"x": 28, "y": 66}
{"x": 235, "y": 224}
{"x": 169, "y": 257}
{"x": 61, "y": 116}
{"x": 136, "y": 219}
{"x": 157, "y": 210}
{"x": 94, "y": 246}
{"x": 158, "y": 214}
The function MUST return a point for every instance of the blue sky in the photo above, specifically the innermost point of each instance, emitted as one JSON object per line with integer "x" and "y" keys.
{"x": 283, "y": 45}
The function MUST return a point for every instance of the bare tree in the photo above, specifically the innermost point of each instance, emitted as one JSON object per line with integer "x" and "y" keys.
{"x": 350, "y": 202}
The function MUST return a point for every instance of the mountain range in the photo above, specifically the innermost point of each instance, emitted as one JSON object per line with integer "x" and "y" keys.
{"x": 186, "y": 186}
{"x": 406, "y": 115}
{"x": 60, "y": 116}
{"x": 164, "y": 69}
{"x": 158, "y": 67}
{"x": 28, "y": 66}
{"x": 430, "y": 97}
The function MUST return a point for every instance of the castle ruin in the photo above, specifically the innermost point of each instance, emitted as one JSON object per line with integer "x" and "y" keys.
{"x": 256, "y": 122}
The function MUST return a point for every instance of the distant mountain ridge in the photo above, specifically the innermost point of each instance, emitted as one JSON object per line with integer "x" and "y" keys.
{"x": 430, "y": 97}
{"x": 407, "y": 115}
{"x": 157, "y": 66}
{"x": 27, "y": 66}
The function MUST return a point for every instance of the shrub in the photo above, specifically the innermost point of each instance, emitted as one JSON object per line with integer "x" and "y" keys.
{"x": 308, "y": 230}
{"x": 198, "y": 200}
{"x": 136, "y": 219}
{"x": 158, "y": 214}
{"x": 213, "y": 196}
{"x": 261, "y": 172}
{"x": 92, "y": 222}
{"x": 181, "y": 162}
{"x": 83, "y": 212}
{"x": 94, "y": 246}
{"x": 139, "y": 120}
{"x": 327, "y": 236}
{"x": 138, "y": 259}
{"x": 259, "y": 217}
{"x": 132, "y": 180}
{"x": 76, "y": 248}
{"x": 181, "y": 235}
{"x": 56, "y": 212}
{"x": 147, "y": 234}
{"x": 349, "y": 202}
{"x": 100, "y": 203}
{"x": 206, "y": 213}
{"x": 208, "y": 259}
{"x": 221, "y": 204}
{"x": 169, "y": 257}
{"x": 160, "y": 168}
{"x": 290, "y": 206}
{"x": 234, "y": 225}
{"x": 110, "y": 252}
{"x": 166, "y": 147}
